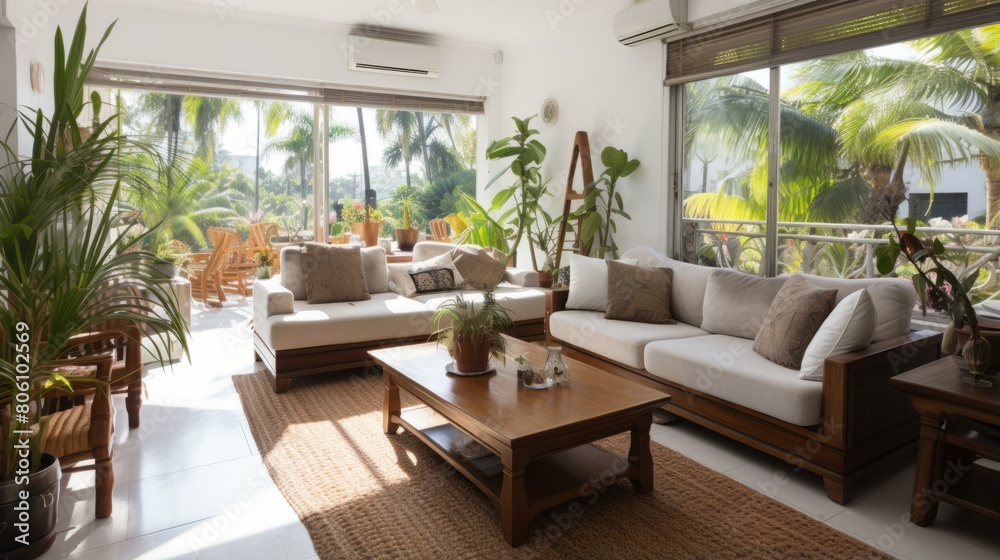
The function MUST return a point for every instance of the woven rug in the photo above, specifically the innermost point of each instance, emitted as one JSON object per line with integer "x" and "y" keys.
{"x": 363, "y": 494}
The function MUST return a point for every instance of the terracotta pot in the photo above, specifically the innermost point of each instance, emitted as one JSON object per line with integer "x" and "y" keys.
{"x": 407, "y": 238}
{"x": 42, "y": 504}
{"x": 472, "y": 355}
{"x": 989, "y": 330}
{"x": 369, "y": 233}
{"x": 544, "y": 279}
{"x": 357, "y": 228}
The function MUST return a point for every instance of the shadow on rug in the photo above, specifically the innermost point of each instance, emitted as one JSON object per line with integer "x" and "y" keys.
{"x": 363, "y": 494}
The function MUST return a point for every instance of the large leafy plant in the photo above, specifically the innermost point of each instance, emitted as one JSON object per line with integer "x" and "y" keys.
{"x": 65, "y": 245}
{"x": 604, "y": 202}
{"x": 526, "y": 154}
{"x": 460, "y": 320}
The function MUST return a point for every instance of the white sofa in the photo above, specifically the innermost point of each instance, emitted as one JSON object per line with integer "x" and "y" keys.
{"x": 835, "y": 427}
{"x": 295, "y": 338}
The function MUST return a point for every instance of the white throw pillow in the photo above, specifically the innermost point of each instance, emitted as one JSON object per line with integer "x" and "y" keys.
{"x": 441, "y": 261}
{"x": 850, "y": 326}
{"x": 588, "y": 282}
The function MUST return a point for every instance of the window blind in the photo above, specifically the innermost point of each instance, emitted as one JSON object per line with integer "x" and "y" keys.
{"x": 183, "y": 84}
{"x": 818, "y": 29}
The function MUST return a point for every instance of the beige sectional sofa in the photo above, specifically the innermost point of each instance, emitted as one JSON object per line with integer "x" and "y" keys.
{"x": 837, "y": 427}
{"x": 295, "y": 338}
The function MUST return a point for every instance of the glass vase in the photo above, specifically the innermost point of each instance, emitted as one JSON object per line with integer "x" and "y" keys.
{"x": 555, "y": 368}
{"x": 977, "y": 356}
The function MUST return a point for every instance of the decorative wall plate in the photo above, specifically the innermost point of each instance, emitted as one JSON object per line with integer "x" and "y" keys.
{"x": 37, "y": 77}
{"x": 550, "y": 111}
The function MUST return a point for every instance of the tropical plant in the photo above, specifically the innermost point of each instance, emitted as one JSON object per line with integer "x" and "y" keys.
{"x": 545, "y": 237}
{"x": 298, "y": 146}
{"x": 528, "y": 188}
{"x": 265, "y": 258}
{"x": 441, "y": 198}
{"x": 208, "y": 118}
{"x": 174, "y": 251}
{"x": 60, "y": 228}
{"x": 400, "y": 128}
{"x": 459, "y": 318}
{"x": 482, "y": 229}
{"x": 604, "y": 202}
{"x": 273, "y": 114}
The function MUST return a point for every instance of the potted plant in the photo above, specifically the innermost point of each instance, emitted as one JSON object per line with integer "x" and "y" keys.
{"x": 173, "y": 254}
{"x": 545, "y": 237}
{"x": 264, "y": 263}
{"x": 64, "y": 243}
{"x": 471, "y": 335}
{"x": 406, "y": 237}
{"x": 604, "y": 202}
{"x": 934, "y": 277}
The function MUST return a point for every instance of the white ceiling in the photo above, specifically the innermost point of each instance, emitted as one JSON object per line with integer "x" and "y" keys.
{"x": 485, "y": 23}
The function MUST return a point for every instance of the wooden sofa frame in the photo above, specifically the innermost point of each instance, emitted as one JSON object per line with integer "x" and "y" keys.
{"x": 285, "y": 365}
{"x": 863, "y": 418}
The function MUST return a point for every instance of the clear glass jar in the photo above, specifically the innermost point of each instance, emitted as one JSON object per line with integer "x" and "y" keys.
{"x": 555, "y": 368}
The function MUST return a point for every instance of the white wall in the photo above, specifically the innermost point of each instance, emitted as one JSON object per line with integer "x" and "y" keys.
{"x": 8, "y": 77}
{"x": 220, "y": 43}
{"x": 615, "y": 93}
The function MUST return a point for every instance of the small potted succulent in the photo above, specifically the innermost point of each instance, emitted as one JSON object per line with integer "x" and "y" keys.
{"x": 406, "y": 236}
{"x": 264, "y": 263}
{"x": 471, "y": 335}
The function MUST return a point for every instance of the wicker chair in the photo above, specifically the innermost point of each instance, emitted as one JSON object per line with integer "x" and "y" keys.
{"x": 84, "y": 432}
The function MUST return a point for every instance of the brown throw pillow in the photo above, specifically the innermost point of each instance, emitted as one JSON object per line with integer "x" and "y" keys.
{"x": 639, "y": 294}
{"x": 796, "y": 315}
{"x": 334, "y": 273}
{"x": 477, "y": 267}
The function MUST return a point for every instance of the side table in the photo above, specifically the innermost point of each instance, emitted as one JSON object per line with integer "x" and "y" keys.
{"x": 958, "y": 425}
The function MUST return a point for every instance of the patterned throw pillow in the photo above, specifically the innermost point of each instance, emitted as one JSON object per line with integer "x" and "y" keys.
{"x": 478, "y": 268}
{"x": 639, "y": 294}
{"x": 796, "y": 315}
{"x": 433, "y": 280}
{"x": 334, "y": 273}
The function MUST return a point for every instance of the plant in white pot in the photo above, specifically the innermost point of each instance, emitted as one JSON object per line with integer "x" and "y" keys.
{"x": 472, "y": 332}
{"x": 65, "y": 246}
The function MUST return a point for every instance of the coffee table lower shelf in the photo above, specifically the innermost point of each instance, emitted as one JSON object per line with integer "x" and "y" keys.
{"x": 549, "y": 481}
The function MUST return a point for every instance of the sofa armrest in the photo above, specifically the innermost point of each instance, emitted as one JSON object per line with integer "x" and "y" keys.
{"x": 271, "y": 298}
{"x": 858, "y": 402}
{"x": 555, "y": 300}
{"x": 524, "y": 277}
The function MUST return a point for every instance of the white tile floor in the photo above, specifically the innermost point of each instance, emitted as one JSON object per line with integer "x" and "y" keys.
{"x": 190, "y": 483}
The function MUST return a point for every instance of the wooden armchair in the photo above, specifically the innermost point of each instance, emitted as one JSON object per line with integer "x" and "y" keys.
{"x": 238, "y": 268}
{"x": 83, "y": 432}
{"x": 206, "y": 275}
{"x": 439, "y": 229}
{"x": 123, "y": 343}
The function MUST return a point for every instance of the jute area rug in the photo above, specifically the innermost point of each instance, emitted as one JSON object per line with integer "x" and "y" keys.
{"x": 363, "y": 494}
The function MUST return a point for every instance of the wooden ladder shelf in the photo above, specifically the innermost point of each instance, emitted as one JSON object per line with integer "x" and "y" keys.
{"x": 581, "y": 155}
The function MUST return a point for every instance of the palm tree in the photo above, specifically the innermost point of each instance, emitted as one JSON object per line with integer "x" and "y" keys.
{"x": 400, "y": 128}
{"x": 273, "y": 114}
{"x": 369, "y": 200}
{"x": 159, "y": 115}
{"x": 209, "y": 117}
{"x": 298, "y": 144}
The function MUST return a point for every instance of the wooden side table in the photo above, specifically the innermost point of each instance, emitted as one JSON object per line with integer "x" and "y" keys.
{"x": 958, "y": 425}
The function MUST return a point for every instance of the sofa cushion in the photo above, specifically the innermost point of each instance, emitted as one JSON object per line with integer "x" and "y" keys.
{"x": 619, "y": 341}
{"x": 796, "y": 315}
{"x": 849, "y": 327}
{"x": 894, "y": 300}
{"x": 736, "y": 303}
{"x": 385, "y": 316}
{"x": 426, "y": 250}
{"x": 433, "y": 280}
{"x": 688, "y": 286}
{"x": 334, "y": 273}
{"x": 588, "y": 282}
{"x": 638, "y": 294}
{"x": 292, "y": 277}
{"x": 400, "y": 281}
{"x": 441, "y": 261}
{"x": 524, "y": 304}
{"x": 478, "y": 267}
{"x": 727, "y": 367}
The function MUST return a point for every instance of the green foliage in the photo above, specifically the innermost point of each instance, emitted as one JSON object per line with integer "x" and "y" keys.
{"x": 483, "y": 230}
{"x": 459, "y": 316}
{"x": 61, "y": 228}
{"x": 604, "y": 202}
{"x": 442, "y": 197}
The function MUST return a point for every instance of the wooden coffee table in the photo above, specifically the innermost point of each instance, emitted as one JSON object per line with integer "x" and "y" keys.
{"x": 539, "y": 438}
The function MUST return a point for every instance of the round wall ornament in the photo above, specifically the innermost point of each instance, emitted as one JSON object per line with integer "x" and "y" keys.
{"x": 550, "y": 111}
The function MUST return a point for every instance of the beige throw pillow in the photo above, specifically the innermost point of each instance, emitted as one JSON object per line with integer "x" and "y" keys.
{"x": 639, "y": 294}
{"x": 400, "y": 280}
{"x": 334, "y": 273}
{"x": 477, "y": 267}
{"x": 797, "y": 313}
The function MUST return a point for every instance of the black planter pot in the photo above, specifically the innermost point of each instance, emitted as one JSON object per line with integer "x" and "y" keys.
{"x": 42, "y": 505}
{"x": 167, "y": 269}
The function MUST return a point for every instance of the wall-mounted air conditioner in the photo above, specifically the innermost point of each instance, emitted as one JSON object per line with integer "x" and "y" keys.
{"x": 651, "y": 20}
{"x": 370, "y": 54}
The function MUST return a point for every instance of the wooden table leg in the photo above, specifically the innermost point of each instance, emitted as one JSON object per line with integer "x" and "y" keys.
{"x": 924, "y": 507}
{"x": 514, "y": 498}
{"x": 639, "y": 458}
{"x": 390, "y": 405}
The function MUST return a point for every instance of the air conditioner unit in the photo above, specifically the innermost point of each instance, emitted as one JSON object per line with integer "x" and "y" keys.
{"x": 370, "y": 54}
{"x": 651, "y": 20}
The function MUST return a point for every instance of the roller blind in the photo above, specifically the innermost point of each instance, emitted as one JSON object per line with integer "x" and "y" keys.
{"x": 183, "y": 84}
{"x": 819, "y": 29}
